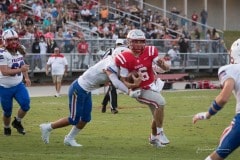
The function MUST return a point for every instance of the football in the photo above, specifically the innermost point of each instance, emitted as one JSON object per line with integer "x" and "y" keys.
{"x": 129, "y": 78}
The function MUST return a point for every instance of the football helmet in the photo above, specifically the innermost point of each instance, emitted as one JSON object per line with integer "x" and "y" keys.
{"x": 10, "y": 39}
{"x": 136, "y": 40}
{"x": 119, "y": 42}
{"x": 119, "y": 50}
{"x": 235, "y": 52}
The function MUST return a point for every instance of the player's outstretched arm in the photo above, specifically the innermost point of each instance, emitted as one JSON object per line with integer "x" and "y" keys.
{"x": 218, "y": 103}
{"x": 121, "y": 86}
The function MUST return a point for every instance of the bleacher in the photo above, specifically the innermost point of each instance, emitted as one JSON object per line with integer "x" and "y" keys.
{"x": 199, "y": 59}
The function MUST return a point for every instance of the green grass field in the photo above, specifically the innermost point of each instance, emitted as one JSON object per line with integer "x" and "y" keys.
{"x": 124, "y": 135}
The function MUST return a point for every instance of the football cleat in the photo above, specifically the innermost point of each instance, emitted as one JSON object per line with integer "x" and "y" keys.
{"x": 7, "y": 131}
{"x": 71, "y": 142}
{"x": 114, "y": 111}
{"x": 45, "y": 133}
{"x": 16, "y": 124}
{"x": 163, "y": 138}
{"x": 104, "y": 109}
{"x": 156, "y": 143}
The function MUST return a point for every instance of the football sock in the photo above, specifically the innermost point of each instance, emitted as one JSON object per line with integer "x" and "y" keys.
{"x": 18, "y": 119}
{"x": 49, "y": 127}
{"x": 74, "y": 131}
{"x": 159, "y": 130}
{"x": 208, "y": 158}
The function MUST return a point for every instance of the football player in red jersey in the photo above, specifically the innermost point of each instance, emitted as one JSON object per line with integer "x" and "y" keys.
{"x": 141, "y": 58}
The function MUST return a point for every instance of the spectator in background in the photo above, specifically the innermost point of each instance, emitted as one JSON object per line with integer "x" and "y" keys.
{"x": 215, "y": 36}
{"x": 51, "y": 44}
{"x": 70, "y": 47}
{"x": 36, "y": 59}
{"x": 37, "y": 33}
{"x": 37, "y": 10}
{"x": 174, "y": 54}
{"x": 184, "y": 21}
{"x": 83, "y": 51}
{"x": 204, "y": 16}
{"x": 43, "y": 51}
{"x": 104, "y": 13}
{"x": 58, "y": 65}
{"x": 46, "y": 22}
{"x": 68, "y": 35}
{"x": 100, "y": 53}
{"x": 207, "y": 44}
{"x": 183, "y": 47}
{"x": 86, "y": 14}
{"x": 60, "y": 21}
{"x": 13, "y": 7}
{"x": 59, "y": 39}
{"x": 197, "y": 35}
{"x": 194, "y": 18}
{"x": 29, "y": 20}
{"x": 175, "y": 14}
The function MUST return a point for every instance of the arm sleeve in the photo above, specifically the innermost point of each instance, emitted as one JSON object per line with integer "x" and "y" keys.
{"x": 117, "y": 83}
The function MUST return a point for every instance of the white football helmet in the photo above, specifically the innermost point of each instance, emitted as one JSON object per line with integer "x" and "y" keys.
{"x": 136, "y": 40}
{"x": 119, "y": 50}
{"x": 10, "y": 39}
{"x": 119, "y": 42}
{"x": 235, "y": 52}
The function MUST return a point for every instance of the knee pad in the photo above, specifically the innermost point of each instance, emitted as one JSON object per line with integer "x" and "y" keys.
{"x": 7, "y": 114}
{"x": 25, "y": 105}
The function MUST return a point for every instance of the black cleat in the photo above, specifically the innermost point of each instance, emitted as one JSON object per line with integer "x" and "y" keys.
{"x": 7, "y": 131}
{"x": 18, "y": 126}
{"x": 104, "y": 109}
{"x": 114, "y": 111}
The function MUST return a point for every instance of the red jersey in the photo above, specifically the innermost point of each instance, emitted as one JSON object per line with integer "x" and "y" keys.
{"x": 83, "y": 47}
{"x": 142, "y": 64}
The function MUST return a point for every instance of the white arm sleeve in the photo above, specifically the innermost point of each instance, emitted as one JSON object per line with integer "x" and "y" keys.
{"x": 155, "y": 60}
{"x": 117, "y": 83}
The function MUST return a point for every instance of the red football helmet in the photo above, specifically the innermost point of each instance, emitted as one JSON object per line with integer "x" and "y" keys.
{"x": 10, "y": 39}
{"x": 136, "y": 41}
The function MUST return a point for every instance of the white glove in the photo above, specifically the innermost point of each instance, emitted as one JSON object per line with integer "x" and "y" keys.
{"x": 134, "y": 93}
{"x": 199, "y": 116}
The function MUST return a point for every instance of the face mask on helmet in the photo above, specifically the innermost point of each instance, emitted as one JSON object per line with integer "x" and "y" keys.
{"x": 235, "y": 52}
{"x": 10, "y": 39}
{"x": 136, "y": 41}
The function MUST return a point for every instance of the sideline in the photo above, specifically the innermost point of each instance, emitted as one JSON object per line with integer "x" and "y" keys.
{"x": 43, "y": 91}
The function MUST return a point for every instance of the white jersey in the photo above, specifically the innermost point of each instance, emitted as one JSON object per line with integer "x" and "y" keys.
{"x": 95, "y": 77}
{"x": 231, "y": 71}
{"x": 57, "y": 63}
{"x": 12, "y": 61}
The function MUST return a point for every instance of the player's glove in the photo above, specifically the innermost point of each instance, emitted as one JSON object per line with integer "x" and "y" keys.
{"x": 134, "y": 93}
{"x": 199, "y": 116}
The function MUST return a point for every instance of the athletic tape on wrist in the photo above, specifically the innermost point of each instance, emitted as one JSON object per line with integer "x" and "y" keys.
{"x": 211, "y": 111}
{"x": 216, "y": 106}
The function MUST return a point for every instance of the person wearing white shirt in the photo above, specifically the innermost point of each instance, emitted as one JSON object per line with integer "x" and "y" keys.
{"x": 174, "y": 55}
{"x": 58, "y": 64}
{"x": 43, "y": 52}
